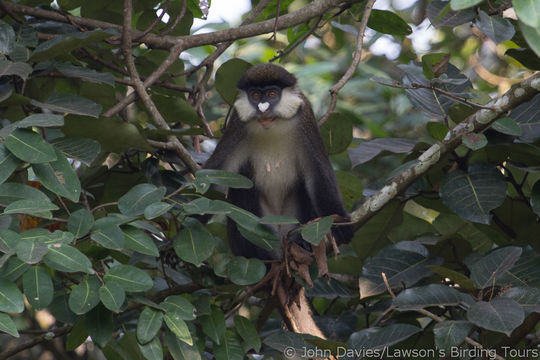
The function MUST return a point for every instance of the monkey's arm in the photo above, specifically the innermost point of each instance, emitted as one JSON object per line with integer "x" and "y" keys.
{"x": 233, "y": 134}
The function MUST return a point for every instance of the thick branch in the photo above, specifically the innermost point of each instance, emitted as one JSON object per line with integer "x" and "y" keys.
{"x": 477, "y": 122}
{"x": 36, "y": 340}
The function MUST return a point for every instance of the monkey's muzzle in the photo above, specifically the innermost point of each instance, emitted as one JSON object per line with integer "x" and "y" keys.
{"x": 266, "y": 123}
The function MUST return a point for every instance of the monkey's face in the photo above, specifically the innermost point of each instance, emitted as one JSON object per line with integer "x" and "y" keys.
{"x": 264, "y": 99}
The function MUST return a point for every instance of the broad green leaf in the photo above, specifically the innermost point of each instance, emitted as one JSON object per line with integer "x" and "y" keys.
{"x": 175, "y": 107}
{"x": 206, "y": 206}
{"x": 248, "y": 332}
{"x": 474, "y": 141}
{"x": 213, "y": 325}
{"x": 10, "y": 192}
{"x": 20, "y": 69}
{"x": 227, "y": 76}
{"x": 179, "y": 350}
{"x": 152, "y": 350}
{"x": 8, "y": 163}
{"x": 7, "y": 325}
{"x": 250, "y": 227}
{"x": 7, "y": 38}
{"x": 110, "y": 236}
{"x": 337, "y": 133}
{"x": 137, "y": 240}
{"x": 463, "y": 4}
{"x": 404, "y": 264}
{"x": 11, "y": 298}
{"x": 230, "y": 348}
{"x": 194, "y": 243}
{"x": 85, "y": 74}
{"x": 99, "y": 324}
{"x": 426, "y": 296}
{"x": 8, "y": 240}
{"x": 82, "y": 149}
{"x": 70, "y": 104}
{"x": 59, "y": 237}
{"x": 279, "y": 220}
{"x": 178, "y": 327}
{"x": 84, "y": 296}
{"x": 242, "y": 271}
{"x": 31, "y": 252}
{"x": 450, "y": 334}
{"x": 507, "y": 126}
{"x": 380, "y": 338}
{"x": 139, "y": 197}
{"x": 64, "y": 43}
{"x": 494, "y": 265}
{"x": 29, "y": 146}
{"x": 157, "y": 209}
{"x": 130, "y": 278}
{"x": 205, "y": 177}
{"x": 148, "y": 324}
{"x": 80, "y": 223}
{"x": 387, "y": 22}
{"x": 59, "y": 177}
{"x": 495, "y": 27}
{"x": 33, "y": 207}
{"x": 180, "y": 306}
{"x": 283, "y": 341}
{"x": 112, "y": 296}
{"x": 437, "y": 130}
{"x": 528, "y": 297}
{"x": 528, "y": 11}
{"x": 473, "y": 194}
{"x": 532, "y": 36}
{"x": 41, "y": 120}
{"x": 13, "y": 268}
{"x": 500, "y": 314}
{"x": 66, "y": 258}
{"x": 369, "y": 149}
{"x": 535, "y": 198}
{"x": 38, "y": 287}
{"x": 314, "y": 232}
{"x": 77, "y": 336}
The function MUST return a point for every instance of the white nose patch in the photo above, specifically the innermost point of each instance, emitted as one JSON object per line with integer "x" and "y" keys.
{"x": 264, "y": 106}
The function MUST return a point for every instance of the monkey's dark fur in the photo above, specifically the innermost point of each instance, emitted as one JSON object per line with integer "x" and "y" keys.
{"x": 279, "y": 147}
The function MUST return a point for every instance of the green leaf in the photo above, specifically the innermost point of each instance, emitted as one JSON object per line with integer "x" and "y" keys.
{"x": 227, "y": 76}
{"x": 279, "y": 220}
{"x": 29, "y": 146}
{"x": 77, "y": 336}
{"x": 213, "y": 325}
{"x": 500, "y": 314}
{"x": 494, "y": 265}
{"x": 157, "y": 209}
{"x": 59, "y": 177}
{"x": 387, "y": 22}
{"x": 10, "y": 192}
{"x": 472, "y": 195}
{"x": 41, "y": 120}
{"x": 380, "y": 338}
{"x": 13, "y": 269}
{"x": 8, "y": 240}
{"x": 250, "y": 227}
{"x": 33, "y": 207}
{"x": 148, "y": 324}
{"x": 70, "y": 104}
{"x": 139, "y": 197}
{"x": 474, "y": 141}
{"x": 11, "y": 298}
{"x": 367, "y": 150}
{"x": 31, "y": 252}
{"x": 179, "y": 306}
{"x": 426, "y": 296}
{"x": 230, "y": 348}
{"x": 80, "y": 222}
{"x": 179, "y": 350}
{"x": 535, "y": 198}
{"x": 450, "y": 334}
{"x": 85, "y": 296}
{"x": 507, "y": 126}
{"x": 495, "y": 27}
{"x": 457, "y": 277}
{"x": 532, "y": 37}
{"x": 38, "y": 287}
{"x": 65, "y": 43}
{"x": 528, "y": 297}
{"x": 137, "y": 240}
{"x": 110, "y": 236}
{"x": 433, "y": 65}
{"x": 85, "y": 74}
{"x": 7, "y": 38}
{"x": 20, "y": 69}
{"x": 314, "y": 232}
{"x": 82, "y": 149}
{"x": 66, "y": 258}
{"x": 7, "y": 325}
{"x": 130, "y": 278}
{"x": 8, "y": 163}
{"x": 152, "y": 350}
{"x": 112, "y": 296}
{"x": 205, "y": 177}
{"x": 178, "y": 327}
{"x": 437, "y": 130}
{"x": 463, "y": 4}
{"x": 528, "y": 11}
{"x": 244, "y": 271}
{"x": 337, "y": 133}
{"x": 99, "y": 324}
{"x": 248, "y": 332}
{"x": 194, "y": 243}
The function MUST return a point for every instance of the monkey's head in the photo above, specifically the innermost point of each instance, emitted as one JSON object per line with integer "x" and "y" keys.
{"x": 268, "y": 93}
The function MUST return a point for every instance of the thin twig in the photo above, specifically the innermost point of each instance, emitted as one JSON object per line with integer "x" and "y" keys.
{"x": 178, "y": 19}
{"x": 448, "y": 94}
{"x": 155, "y": 22}
{"x": 282, "y": 53}
{"x": 274, "y": 34}
{"x": 49, "y": 335}
{"x": 334, "y": 91}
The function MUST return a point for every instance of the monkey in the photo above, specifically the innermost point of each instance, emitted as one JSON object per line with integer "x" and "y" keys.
{"x": 272, "y": 138}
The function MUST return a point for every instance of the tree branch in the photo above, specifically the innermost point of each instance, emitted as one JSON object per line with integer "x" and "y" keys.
{"x": 49, "y": 335}
{"x": 477, "y": 122}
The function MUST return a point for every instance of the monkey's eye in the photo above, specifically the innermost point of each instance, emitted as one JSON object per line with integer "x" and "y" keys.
{"x": 255, "y": 95}
{"x": 272, "y": 94}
